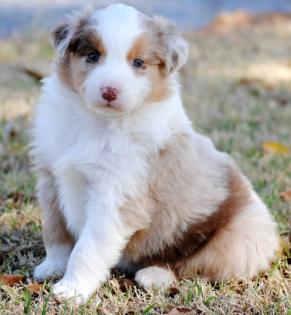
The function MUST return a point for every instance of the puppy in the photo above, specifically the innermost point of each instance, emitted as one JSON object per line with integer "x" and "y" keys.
{"x": 123, "y": 180}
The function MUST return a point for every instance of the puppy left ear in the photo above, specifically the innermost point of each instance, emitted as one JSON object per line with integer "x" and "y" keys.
{"x": 169, "y": 45}
{"x": 178, "y": 54}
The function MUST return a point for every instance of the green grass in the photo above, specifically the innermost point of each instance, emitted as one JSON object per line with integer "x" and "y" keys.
{"x": 238, "y": 117}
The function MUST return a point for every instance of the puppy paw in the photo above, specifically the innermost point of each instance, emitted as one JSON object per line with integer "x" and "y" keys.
{"x": 48, "y": 268}
{"x": 154, "y": 277}
{"x": 68, "y": 289}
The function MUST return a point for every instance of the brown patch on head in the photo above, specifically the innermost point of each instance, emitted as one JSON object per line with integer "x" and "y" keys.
{"x": 163, "y": 50}
{"x": 73, "y": 72}
{"x": 72, "y": 66}
{"x": 84, "y": 41}
{"x": 160, "y": 85}
{"x": 153, "y": 68}
{"x": 138, "y": 48}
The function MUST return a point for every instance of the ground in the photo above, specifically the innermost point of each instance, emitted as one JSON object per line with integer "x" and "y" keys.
{"x": 237, "y": 90}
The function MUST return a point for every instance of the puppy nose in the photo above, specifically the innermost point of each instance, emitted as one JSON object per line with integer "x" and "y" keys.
{"x": 109, "y": 93}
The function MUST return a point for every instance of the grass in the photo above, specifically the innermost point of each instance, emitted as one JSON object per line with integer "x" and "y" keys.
{"x": 237, "y": 89}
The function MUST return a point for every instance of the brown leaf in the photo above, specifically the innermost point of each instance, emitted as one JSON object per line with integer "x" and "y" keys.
{"x": 38, "y": 76}
{"x": 237, "y": 20}
{"x": 10, "y": 131}
{"x": 275, "y": 148}
{"x": 286, "y": 195}
{"x": 172, "y": 292}
{"x": 105, "y": 310}
{"x": 11, "y": 279}
{"x": 255, "y": 81}
{"x": 16, "y": 196}
{"x": 181, "y": 311}
{"x": 125, "y": 284}
{"x": 34, "y": 288}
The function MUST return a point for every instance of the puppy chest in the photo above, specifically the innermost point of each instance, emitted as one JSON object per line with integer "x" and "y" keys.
{"x": 106, "y": 180}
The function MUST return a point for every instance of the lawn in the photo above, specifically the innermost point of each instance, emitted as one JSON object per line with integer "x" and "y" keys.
{"x": 237, "y": 90}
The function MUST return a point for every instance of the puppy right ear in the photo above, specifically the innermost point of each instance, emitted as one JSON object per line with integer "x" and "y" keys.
{"x": 61, "y": 38}
{"x": 64, "y": 33}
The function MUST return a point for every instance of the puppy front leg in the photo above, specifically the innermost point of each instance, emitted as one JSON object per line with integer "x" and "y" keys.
{"x": 97, "y": 250}
{"x": 57, "y": 239}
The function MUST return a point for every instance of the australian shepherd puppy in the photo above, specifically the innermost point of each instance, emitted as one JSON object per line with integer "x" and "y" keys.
{"x": 123, "y": 180}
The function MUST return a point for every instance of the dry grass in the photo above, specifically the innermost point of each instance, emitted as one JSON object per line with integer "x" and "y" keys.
{"x": 237, "y": 87}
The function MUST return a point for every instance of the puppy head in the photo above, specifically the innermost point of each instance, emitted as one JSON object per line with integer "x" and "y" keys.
{"x": 118, "y": 59}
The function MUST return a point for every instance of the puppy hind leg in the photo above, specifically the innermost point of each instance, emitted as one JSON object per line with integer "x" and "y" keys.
{"x": 155, "y": 277}
{"x": 244, "y": 248}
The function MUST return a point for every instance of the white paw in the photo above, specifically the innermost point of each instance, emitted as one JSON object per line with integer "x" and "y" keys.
{"x": 48, "y": 268}
{"x": 69, "y": 289}
{"x": 156, "y": 277}
{"x": 55, "y": 262}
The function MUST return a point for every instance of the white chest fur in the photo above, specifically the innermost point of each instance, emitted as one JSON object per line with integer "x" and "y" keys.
{"x": 108, "y": 171}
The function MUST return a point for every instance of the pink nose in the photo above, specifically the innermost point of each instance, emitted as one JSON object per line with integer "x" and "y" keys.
{"x": 109, "y": 93}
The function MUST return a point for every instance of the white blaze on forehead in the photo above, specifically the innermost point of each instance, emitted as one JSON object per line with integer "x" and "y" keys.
{"x": 118, "y": 25}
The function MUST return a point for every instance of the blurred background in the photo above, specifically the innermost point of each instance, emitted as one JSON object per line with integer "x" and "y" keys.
{"x": 236, "y": 89}
{"x": 17, "y": 16}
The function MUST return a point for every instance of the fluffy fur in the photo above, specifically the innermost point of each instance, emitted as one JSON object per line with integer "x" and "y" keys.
{"x": 128, "y": 183}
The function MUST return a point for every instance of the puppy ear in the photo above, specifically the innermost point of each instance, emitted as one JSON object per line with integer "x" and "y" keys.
{"x": 61, "y": 38}
{"x": 172, "y": 48}
{"x": 64, "y": 33}
{"x": 178, "y": 54}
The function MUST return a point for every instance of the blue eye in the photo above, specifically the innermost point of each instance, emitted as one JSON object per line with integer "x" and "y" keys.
{"x": 93, "y": 57}
{"x": 138, "y": 63}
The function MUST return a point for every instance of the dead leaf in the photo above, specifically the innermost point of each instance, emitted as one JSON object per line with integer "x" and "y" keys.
{"x": 226, "y": 21}
{"x": 125, "y": 284}
{"x": 34, "y": 288}
{"x": 255, "y": 81}
{"x": 286, "y": 195}
{"x": 10, "y": 132}
{"x": 38, "y": 76}
{"x": 181, "y": 311}
{"x": 237, "y": 20}
{"x": 105, "y": 310}
{"x": 11, "y": 279}
{"x": 172, "y": 292}
{"x": 16, "y": 196}
{"x": 275, "y": 148}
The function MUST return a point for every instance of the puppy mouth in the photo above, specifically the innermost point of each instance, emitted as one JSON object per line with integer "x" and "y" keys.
{"x": 111, "y": 106}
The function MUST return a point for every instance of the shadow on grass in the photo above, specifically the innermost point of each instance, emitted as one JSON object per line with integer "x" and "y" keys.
{"x": 20, "y": 250}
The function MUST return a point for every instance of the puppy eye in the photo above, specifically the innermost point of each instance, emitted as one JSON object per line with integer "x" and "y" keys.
{"x": 93, "y": 57}
{"x": 138, "y": 63}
